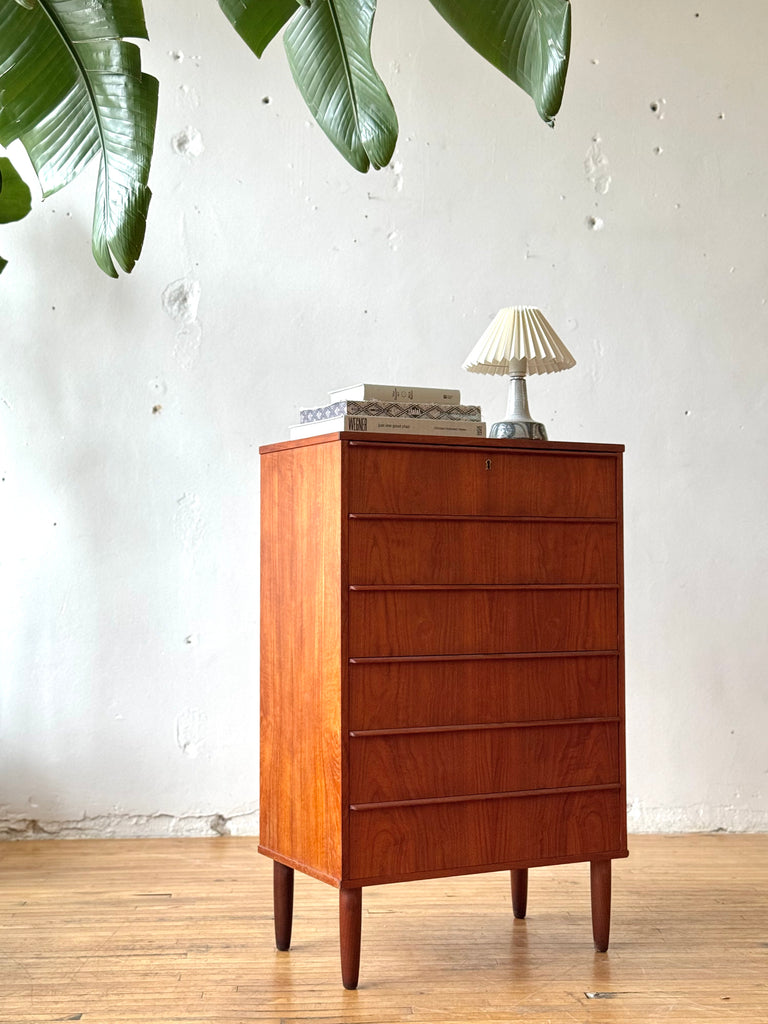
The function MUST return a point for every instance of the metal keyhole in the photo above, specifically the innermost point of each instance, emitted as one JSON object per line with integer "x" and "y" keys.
{"x": 487, "y": 463}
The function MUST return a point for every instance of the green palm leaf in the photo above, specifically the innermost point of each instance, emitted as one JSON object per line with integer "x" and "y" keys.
{"x": 528, "y": 40}
{"x": 259, "y": 21}
{"x": 71, "y": 89}
{"x": 329, "y": 53}
{"x": 15, "y": 198}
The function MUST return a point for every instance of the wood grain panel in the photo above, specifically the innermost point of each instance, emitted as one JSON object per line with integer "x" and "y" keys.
{"x": 457, "y": 481}
{"x": 398, "y": 694}
{"x": 396, "y": 843}
{"x": 392, "y": 623}
{"x": 301, "y": 739}
{"x": 466, "y": 551}
{"x": 411, "y": 766}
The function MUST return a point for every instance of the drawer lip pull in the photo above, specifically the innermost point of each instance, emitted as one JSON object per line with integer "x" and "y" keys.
{"x": 476, "y": 797}
{"x": 485, "y": 445}
{"x": 417, "y": 730}
{"x": 503, "y": 656}
{"x": 388, "y": 587}
{"x": 446, "y": 517}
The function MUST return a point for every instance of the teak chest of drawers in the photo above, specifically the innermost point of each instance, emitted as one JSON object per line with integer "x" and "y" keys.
{"x": 441, "y": 665}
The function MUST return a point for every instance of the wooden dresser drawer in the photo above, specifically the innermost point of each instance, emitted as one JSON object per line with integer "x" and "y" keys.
{"x": 481, "y": 690}
{"x": 480, "y": 482}
{"x": 423, "y": 621}
{"x": 419, "y": 550}
{"x": 462, "y": 762}
{"x": 408, "y": 841}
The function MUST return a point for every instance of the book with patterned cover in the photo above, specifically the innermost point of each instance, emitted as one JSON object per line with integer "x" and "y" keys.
{"x": 414, "y": 410}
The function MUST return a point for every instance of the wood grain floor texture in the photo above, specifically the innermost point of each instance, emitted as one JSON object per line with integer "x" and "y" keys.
{"x": 151, "y": 931}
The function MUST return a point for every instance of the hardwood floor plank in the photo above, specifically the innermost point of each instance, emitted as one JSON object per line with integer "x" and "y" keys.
{"x": 181, "y": 930}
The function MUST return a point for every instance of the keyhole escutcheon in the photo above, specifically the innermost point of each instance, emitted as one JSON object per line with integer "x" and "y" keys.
{"x": 487, "y": 463}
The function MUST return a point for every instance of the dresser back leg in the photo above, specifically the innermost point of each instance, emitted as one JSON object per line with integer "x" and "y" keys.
{"x": 519, "y": 891}
{"x": 282, "y": 889}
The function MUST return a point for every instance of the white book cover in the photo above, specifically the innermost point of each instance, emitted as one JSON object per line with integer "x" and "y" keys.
{"x": 396, "y": 393}
{"x": 388, "y": 425}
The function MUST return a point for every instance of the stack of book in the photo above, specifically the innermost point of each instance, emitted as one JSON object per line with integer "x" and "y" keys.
{"x": 390, "y": 409}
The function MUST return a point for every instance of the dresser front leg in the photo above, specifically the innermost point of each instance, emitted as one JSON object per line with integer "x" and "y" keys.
{"x": 600, "y": 886}
{"x": 519, "y": 891}
{"x": 282, "y": 892}
{"x": 350, "y": 922}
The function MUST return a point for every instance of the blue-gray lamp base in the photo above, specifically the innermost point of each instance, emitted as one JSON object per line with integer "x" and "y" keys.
{"x": 519, "y": 428}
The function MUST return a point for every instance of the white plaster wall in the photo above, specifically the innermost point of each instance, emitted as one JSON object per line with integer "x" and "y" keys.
{"x": 131, "y": 412}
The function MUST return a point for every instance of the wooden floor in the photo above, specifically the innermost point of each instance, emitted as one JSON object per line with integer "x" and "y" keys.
{"x": 116, "y": 932}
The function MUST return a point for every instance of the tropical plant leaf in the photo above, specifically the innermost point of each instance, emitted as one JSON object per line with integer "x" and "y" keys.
{"x": 15, "y": 197}
{"x": 528, "y": 40}
{"x": 72, "y": 89}
{"x": 329, "y": 53}
{"x": 259, "y": 21}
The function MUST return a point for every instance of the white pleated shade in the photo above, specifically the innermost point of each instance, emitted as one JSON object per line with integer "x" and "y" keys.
{"x": 519, "y": 340}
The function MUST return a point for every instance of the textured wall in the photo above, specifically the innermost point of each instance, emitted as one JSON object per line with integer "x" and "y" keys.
{"x": 131, "y": 412}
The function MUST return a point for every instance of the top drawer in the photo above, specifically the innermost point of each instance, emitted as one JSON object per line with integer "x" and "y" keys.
{"x": 406, "y": 480}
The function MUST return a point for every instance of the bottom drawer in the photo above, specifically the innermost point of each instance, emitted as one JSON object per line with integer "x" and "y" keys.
{"x": 409, "y": 841}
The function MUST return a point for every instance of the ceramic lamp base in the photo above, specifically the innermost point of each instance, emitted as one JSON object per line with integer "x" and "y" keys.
{"x": 518, "y": 422}
{"x": 519, "y": 428}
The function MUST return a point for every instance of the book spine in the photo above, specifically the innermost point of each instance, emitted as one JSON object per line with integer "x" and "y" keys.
{"x": 394, "y": 393}
{"x": 413, "y": 410}
{"x": 389, "y": 425}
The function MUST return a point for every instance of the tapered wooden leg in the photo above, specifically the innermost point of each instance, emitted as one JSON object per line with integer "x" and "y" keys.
{"x": 600, "y": 885}
{"x": 350, "y": 922}
{"x": 519, "y": 891}
{"x": 282, "y": 891}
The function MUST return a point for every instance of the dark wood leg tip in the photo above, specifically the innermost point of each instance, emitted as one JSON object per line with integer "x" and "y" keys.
{"x": 282, "y": 891}
{"x": 519, "y": 892}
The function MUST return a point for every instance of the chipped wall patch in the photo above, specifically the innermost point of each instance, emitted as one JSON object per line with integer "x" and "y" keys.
{"x": 188, "y": 521}
{"x": 189, "y": 339}
{"x": 187, "y": 142}
{"x": 397, "y": 175}
{"x": 393, "y": 239}
{"x": 181, "y": 299}
{"x": 190, "y": 731}
{"x": 597, "y": 168}
{"x": 188, "y": 97}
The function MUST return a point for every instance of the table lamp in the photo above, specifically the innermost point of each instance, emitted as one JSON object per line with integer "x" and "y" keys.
{"x": 519, "y": 341}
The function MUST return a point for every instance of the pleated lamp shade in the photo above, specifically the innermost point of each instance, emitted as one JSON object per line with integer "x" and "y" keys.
{"x": 519, "y": 339}
{"x": 518, "y": 342}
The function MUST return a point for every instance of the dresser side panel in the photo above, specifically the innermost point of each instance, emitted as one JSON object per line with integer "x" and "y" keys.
{"x": 620, "y": 628}
{"x": 301, "y": 811}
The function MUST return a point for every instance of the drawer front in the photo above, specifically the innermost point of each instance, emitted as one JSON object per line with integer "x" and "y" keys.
{"x": 410, "y": 841}
{"x": 413, "y": 766}
{"x": 403, "y": 551}
{"x": 478, "y": 691}
{"x": 412, "y": 480}
{"x": 402, "y": 623}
